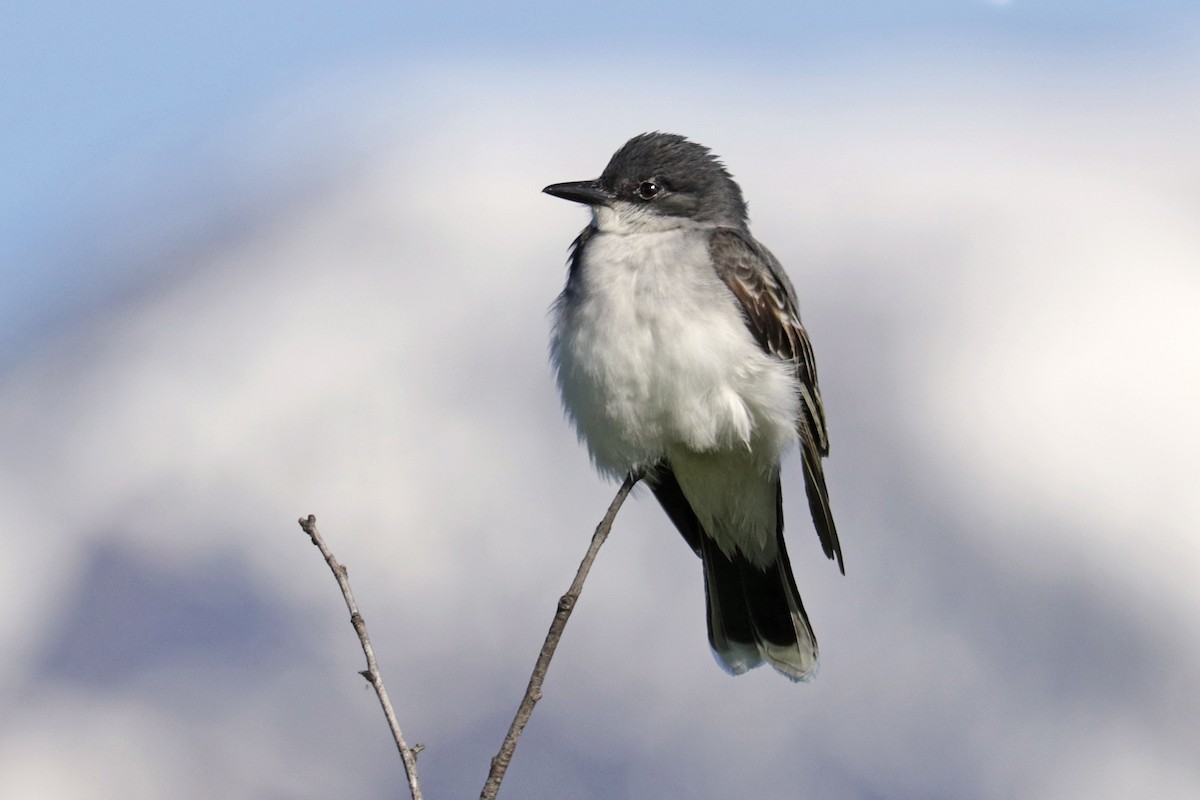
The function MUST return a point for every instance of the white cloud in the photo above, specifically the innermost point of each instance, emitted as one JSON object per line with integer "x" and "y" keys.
{"x": 1069, "y": 367}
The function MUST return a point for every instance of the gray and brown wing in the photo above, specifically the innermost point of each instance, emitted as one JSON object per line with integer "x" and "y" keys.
{"x": 768, "y": 302}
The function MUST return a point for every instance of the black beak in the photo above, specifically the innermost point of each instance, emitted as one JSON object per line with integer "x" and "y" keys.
{"x": 590, "y": 193}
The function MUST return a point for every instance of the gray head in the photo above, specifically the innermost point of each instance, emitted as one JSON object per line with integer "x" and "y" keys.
{"x": 658, "y": 181}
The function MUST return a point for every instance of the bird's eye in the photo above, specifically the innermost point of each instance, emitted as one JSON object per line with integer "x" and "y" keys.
{"x": 647, "y": 189}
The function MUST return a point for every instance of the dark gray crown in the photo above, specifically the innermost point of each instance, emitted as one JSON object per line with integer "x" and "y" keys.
{"x": 694, "y": 183}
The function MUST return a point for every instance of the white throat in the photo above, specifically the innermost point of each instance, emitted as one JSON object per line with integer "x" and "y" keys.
{"x": 623, "y": 218}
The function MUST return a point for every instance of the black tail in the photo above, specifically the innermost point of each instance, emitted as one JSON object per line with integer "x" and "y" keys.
{"x": 754, "y": 613}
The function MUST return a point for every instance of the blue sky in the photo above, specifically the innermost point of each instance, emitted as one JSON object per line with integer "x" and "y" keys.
{"x": 264, "y": 261}
{"x": 105, "y": 106}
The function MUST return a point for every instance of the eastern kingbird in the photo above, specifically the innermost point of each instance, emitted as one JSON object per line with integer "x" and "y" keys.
{"x": 679, "y": 352}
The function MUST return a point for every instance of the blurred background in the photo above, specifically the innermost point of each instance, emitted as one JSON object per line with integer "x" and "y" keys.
{"x": 259, "y": 261}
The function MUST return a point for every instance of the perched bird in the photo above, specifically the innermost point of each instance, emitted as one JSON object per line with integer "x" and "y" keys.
{"x": 679, "y": 352}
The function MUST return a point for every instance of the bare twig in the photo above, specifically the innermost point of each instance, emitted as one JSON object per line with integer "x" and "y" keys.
{"x": 566, "y": 604}
{"x": 371, "y": 673}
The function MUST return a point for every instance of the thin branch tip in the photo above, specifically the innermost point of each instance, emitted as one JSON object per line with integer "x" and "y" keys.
{"x": 566, "y": 604}
{"x": 371, "y": 673}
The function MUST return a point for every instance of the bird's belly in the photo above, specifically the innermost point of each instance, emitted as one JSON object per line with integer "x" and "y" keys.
{"x": 658, "y": 358}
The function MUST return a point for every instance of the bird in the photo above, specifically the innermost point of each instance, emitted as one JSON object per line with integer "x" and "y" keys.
{"x": 680, "y": 357}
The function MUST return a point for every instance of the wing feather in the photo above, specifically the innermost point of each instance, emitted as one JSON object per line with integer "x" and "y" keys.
{"x": 757, "y": 281}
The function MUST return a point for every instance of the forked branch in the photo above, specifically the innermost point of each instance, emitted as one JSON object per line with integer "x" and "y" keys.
{"x": 533, "y": 691}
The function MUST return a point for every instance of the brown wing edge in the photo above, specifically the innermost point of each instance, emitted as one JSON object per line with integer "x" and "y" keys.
{"x": 762, "y": 289}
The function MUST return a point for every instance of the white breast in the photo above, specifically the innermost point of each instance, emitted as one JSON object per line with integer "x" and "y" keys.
{"x": 652, "y": 354}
